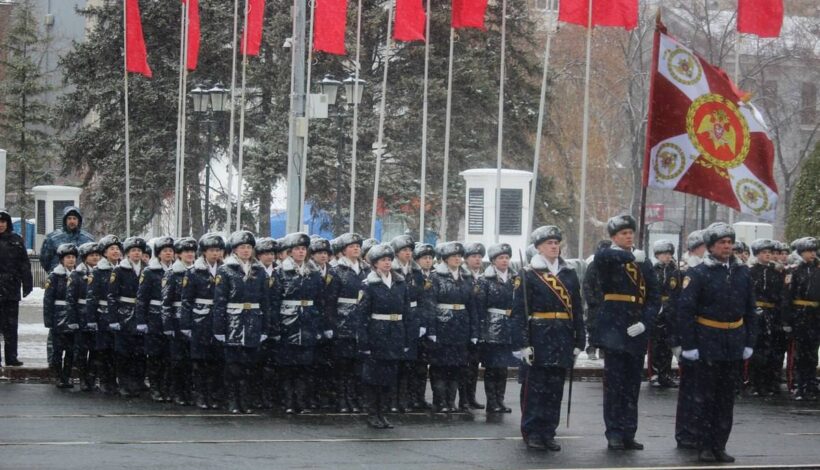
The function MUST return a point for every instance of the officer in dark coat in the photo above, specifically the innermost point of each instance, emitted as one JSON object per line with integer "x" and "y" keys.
{"x": 56, "y": 317}
{"x": 802, "y": 308}
{"x": 766, "y": 364}
{"x": 149, "y": 311}
{"x": 264, "y": 376}
{"x": 97, "y": 312}
{"x": 197, "y": 322}
{"x": 15, "y": 272}
{"x": 423, "y": 255}
{"x": 718, "y": 330}
{"x": 630, "y": 303}
{"x": 548, "y": 335}
{"x": 180, "y": 343}
{"x": 130, "y": 328}
{"x": 474, "y": 253}
{"x": 76, "y": 294}
{"x": 455, "y": 326}
{"x": 298, "y": 300}
{"x": 660, "y": 352}
{"x": 323, "y": 391}
{"x": 495, "y": 306}
{"x": 593, "y": 297}
{"x": 71, "y": 231}
{"x": 342, "y": 299}
{"x": 242, "y": 316}
{"x": 384, "y": 331}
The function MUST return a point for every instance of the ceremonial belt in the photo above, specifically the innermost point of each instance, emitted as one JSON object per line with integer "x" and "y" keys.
{"x": 623, "y": 298}
{"x": 297, "y": 303}
{"x": 551, "y": 316}
{"x": 245, "y": 306}
{"x": 204, "y": 301}
{"x": 177, "y": 304}
{"x": 762, "y": 304}
{"x": 664, "y": 298}
{"x": 345, "y": 300}
{"x": 104, "y": 303}
{"x": 128, "y": 300}
{"x": 391, "y": 317}
{"x": 723, "y": 325}
{"x": 499, "y": 311}
{"x": 451, "y": 306}
{"x": 59, "y": 302}
{"x": 82, "y": 301}
{"x": 158, "y": 303}
{"x": 805, "y": 303}
{"x": 414, "y": 304}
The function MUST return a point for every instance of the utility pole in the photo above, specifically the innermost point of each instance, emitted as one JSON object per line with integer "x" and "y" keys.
{"x": 296, "y": 124}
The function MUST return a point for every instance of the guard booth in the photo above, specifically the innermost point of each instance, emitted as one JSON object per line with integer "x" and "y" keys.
{"x": 49, "y": 202}
{"x": 480, "y": 216}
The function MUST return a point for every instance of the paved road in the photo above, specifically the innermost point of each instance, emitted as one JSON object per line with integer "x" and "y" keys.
{"x": 42, "y": 427}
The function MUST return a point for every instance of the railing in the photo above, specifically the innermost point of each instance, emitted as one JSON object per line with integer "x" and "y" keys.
{"x": 37, "y": 272}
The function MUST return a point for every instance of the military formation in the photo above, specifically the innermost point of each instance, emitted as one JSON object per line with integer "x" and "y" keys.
{"x": 306, "y": 325}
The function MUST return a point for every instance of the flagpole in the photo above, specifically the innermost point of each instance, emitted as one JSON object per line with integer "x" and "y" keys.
{"x": 738, "y": 43}
{"x": 303, "y": 165}
{"x": 379, "y": 145}
{"x": 180, "y": 94}
{"x": 500, "y": 147}
{"x": 355, "y": 138}
{"x": 447, "y": 117}
{"x": 424, "y": 116}
{"x": 127, "y": 137}
{"x": 541, "y": 105}
{"x": 585, "y": 138}
{"x": 229, "y": 191}
{"x": 183, "y": 133}
{"x": 242, "y": 123}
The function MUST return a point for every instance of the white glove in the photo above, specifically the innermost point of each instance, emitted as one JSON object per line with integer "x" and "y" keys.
{"x": 525, "y": 355}
{"x": 576, "y": 352}
{"x": 406, "y": 349}
{"x": 262, "y": 338}
{"x": 186, "y": 332}
{"x": 168, "y": 333}
{"x": 91, "y": 326}
{"x": 142, "y": 329}
{"x": 432, "y": 338}
{"x": 747, "y": 353}
{"x": 640, "y": 256}
{"x": 691, "y": 354}
{"x": 636, "y": 329}
{"x": 676, "y": 350}
{"x": 474, "y": 340}
{"x": 328, "y": 334}
{"x": 114, "y": 326}
{"x": 220, "y": 338}
{"x": 73, "y": 326}
{"x": 319, "y": 336}
{"x": 787, "y": 329}
{"x": 367, "y": 353}
{"x": 422, "y": 331}
{"x": 277, "y": 338}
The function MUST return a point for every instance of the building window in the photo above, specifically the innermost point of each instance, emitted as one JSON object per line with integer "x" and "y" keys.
{"x": 475, "y": 211}
{"x": 58, "y": 212}
{"x": 41, "y": 217}
{"x": 808, "y": 103}
{"x": 510, "y": 213}
{"x": 548, "y": 5}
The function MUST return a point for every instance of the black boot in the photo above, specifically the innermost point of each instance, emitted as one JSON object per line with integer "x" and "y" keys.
{"x": 382, "y": 391}
{"x": 353, "y": 390}
{"x": 244, "y": 393}
{"x": 232, "y": 399}
{"x": 342, "y": 405}
{"x": 289, "y": 400}
{"x": 489, "y": 390}
{"x": 452, "y": 389}
{"x": 472, "y": 384}
{"x": 439, "y": 386}
{"x": 303, "y": 393}
{"x": 500, "y": 391}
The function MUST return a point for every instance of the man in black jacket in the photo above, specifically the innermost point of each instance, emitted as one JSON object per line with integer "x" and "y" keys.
{"x": 15, "y": 272}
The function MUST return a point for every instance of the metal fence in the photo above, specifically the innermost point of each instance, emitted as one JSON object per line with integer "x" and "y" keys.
{"x": 37, "y": 272}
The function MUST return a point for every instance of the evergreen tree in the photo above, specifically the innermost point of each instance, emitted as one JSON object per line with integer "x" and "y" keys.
{"x": 804, "y": 211}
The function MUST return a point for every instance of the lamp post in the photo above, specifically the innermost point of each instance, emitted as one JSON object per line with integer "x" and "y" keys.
{"x": 209, "y": 106}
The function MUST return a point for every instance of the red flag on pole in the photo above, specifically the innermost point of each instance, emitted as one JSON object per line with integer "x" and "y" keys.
{"x": 410, "y": 21}
{"x": 761, "y": 17}
{"x": 136, "y": 57}
{"x": 253, "y": 33}
{"x": 192, "y": 58}
{"x": 331, "y": 24}
{"x": 469, "y": 14}
{"x": 617, "y": 13}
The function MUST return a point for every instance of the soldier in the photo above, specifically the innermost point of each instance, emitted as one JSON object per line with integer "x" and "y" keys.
{"x": 197, "y": 322}
{"x": 718, "y": 329}
{"x": 298, "y": 299}
{"x": 548, "y": 334}
{"x": 764, "y": 370}
{"x": 130, "y": 328}
{"x": 149, "y": 311}
{"x": 495, "y": 309}
{"x": 802, "y": 316}
{"x": 77, "y": 291}
{"x": 323, "y": 390}
{"x": 264, "y": 377}
{"x": 423, "y": 255}
{"x": 628, "y": 309}
{"x": 180, "y": 343}
{"x": 695, "y": 250}
{"x": 280, "y": 251}
{"x": 15, "y": 272}
{"x": 593, "y": 297}
{"x": 780, "y": 255}
{"x": 367, "y": 244}
{"x": 241, "y": 315}
{"x": 71, "y": 231}
{"x": 741, "y": 250}
{"x": 384, "y": 331}
{"x": 97, "y": 312}
{"x": 337, "y": 252}
{"x": 474, "y": 253}
{"x": 660, "y": 353}
{"x": 55, "y": 315}
{"x": 342, "y": 299}
{"x": 455, "y": 326}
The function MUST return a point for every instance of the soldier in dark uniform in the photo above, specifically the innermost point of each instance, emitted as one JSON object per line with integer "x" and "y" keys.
{"x": 264, "y": 376}
{"x": 423, "y": 254}
{"x": 630, "y": 303}
{"x": 718, "y": 330}
{"x": 280, "y": 251}
{"x": 367, "y": 244}
{"x": 298, "y": 299}
{"x": 455, "y": 326}
{"x": 323, "y": 395}
{"x": 766, "y": 364}
{"x": 56, "y": 317}
{"x": 495, "y": 306}
{"x": 97, "y": 312}
{"x": 342, "y": 298}
{"x": 180, "y": 344}
{"x": 593, "y": 297}
{"x": 196, "y": 322}
{"x": 77, "y": 291}
{"x": 241, "y": 315}
{"x": 474, "y": 253}
{"x": 802, "y": 309}
{"x": 384, "y": 331}
{"x": 741, "y": 250}
{"x": 548, "y": 334}
{"x": 695, "y": 250}
{"x": 660, "y": 352}
{"x": 15, "y": 272}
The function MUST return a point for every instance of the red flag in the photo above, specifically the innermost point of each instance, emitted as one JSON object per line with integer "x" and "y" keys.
{"x": 253, "y": 35}
{"x": 410, "y": 21}
{"x": 469, "y": 14}
{"x": 761, "y": 17}
{"x": 136, "y": 57}
{"x": 331, "y": 24}
{"x": 618, "y": 13}
{"x": 193, "y": 34}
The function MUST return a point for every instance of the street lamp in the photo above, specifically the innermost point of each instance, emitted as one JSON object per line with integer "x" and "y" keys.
{"x": 354, "y": 97}
{"x": 330, "y": 87}
{"x": 199, "y": 96}
{"x": 219, "y": 98}
{"x": 209, "y": 104}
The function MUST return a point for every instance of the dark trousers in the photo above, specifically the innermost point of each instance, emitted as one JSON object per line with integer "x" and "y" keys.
{"x": 541, "y": 396}
{"x": 295, "y": 387}
{"x": 805, "y": 362}
{"x": 685, "y": 426}
{"x": 444, "y": 380}
{"x": 181, "y": 370}
{"x": 468, "y": 378}
{"x": 208, "y": 380}
{"x": 347, "y": 383}
{"x": 418, "y": 384}
{"x": 63, "y": 357}
{"x": 622, "y": 383}
{"x": 764, "y": 368}
{"x": 84, "y": 358}
{"x": 660, "y": 355}
{"x": 714, "y": 402}
{"x": 158, "y": 364}
{"x": 105, "y": 367}
{"x": 9, "y": 315}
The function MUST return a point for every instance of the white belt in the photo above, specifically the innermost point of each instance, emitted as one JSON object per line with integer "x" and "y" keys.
{"x": 499, "y": 311}
{"x": 344, "y": 300}
{"x": 59, "y": 302}
{"x": 177, "y": 304}
{"x": 158, "y": 303}
{"x": 81, "y": 301}
{"x": 204, "y": 301}
{"x": 104, "y": 303}
{"x": 414, "y": 304}
{"x": 297, "y": 303}
{"x": 392, "y": 317}
{"x": 245, "y": 306}
{"x": 451, "y": 306}
{"x": 128, "y": 300}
